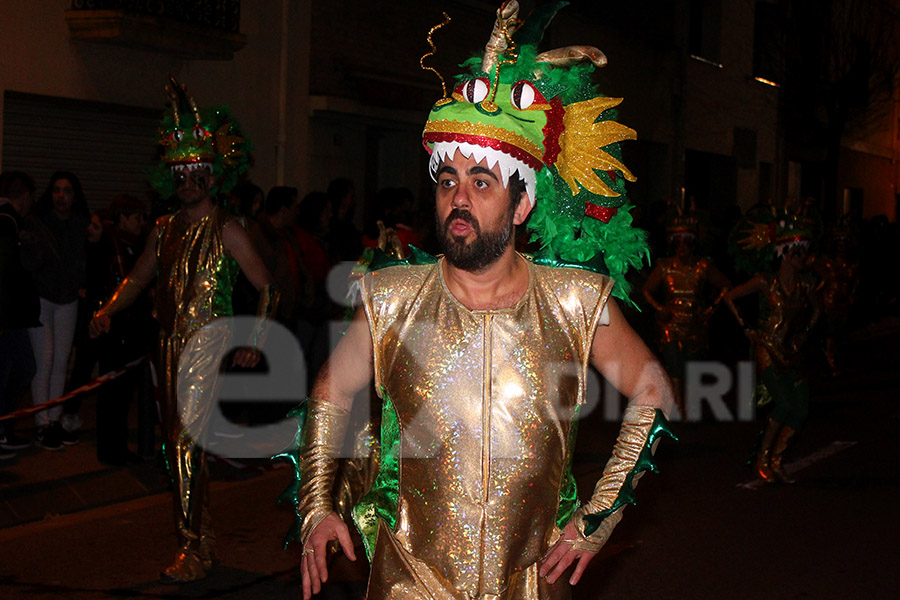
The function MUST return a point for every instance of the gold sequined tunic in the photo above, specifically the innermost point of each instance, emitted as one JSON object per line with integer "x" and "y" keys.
{"x": 484, "y": 400}
{"x": 196, "y": 279}
{"x": 683, "y": 290}
{"x": 782, "y": 315}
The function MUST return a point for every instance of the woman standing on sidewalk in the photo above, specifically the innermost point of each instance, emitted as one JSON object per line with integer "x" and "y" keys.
{"x": 54, "y": 252}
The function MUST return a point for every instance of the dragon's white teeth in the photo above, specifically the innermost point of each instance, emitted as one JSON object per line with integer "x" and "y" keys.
{"x": 192, "y": 166}
{"x": 508, "y": 165}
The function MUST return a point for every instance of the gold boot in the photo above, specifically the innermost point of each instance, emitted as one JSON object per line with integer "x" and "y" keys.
{"x": 206, "y": 549}
{"x": 188, "y": 566}
{"x": 781, "y": 444}
{"x": 762, "y": 466}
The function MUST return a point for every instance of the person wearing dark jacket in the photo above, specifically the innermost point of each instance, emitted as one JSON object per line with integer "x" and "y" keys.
{"x": 19, "y": 307}
{"x": 54, "y": 251}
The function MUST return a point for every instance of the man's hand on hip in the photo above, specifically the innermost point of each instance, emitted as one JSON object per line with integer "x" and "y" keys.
{"x": 562, "y": 555}
{"x": 313, "y": 564}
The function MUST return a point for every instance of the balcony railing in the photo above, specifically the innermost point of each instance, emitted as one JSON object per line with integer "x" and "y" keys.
{"x": 200, "y": 29}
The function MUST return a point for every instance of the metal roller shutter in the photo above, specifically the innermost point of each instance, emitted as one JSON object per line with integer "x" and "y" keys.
{"x": 109, "y": 147}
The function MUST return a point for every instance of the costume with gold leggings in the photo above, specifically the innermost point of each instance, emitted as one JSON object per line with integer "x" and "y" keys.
{"x": 785, "y": 321}
{"x": 195, "y": 281}
{"x": 478, "y": 429}
{"x": 196, "y": 278}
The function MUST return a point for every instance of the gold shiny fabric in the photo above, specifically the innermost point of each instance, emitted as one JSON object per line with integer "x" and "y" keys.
{"x": 683, "y": 288}
{"x": 192, "y": 261}
{"x": 484, "y": 400}
{"x": 325, "y": 430}
{"x": 636, "y": 425}
{"x": 196, "y": 278}
{"x": 782, "y": 320}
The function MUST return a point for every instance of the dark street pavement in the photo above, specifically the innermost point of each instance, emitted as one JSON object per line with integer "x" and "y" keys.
{"x": 71, "y": 528}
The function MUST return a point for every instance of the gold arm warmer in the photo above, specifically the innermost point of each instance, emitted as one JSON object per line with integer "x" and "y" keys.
{"x": 632, "y": 455}
{"x": 326, "y": 424}
{"x": 265, "y": 308}
{"x": 126, "y": 293}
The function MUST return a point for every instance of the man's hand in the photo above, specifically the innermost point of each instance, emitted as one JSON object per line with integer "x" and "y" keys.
{"x": 313, "y": 564}
{"x": 247, "y": 357}
{"x": 563, "y": 554}
{"x": 99, "y": 324}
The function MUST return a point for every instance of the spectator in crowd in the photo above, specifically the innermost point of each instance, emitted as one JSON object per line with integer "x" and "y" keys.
{"x": 130, "y": 336}
{"x": 273, "y": 236}
{"x": 84, "y": 348}
{"x": 345, "y": 239}
{"x": 19, "y": 306}
{"x": 319, "y": 309}
{"x": 395, "y": 209}
{"x": 54, "y": 250}
{"x": 246, "y": 199}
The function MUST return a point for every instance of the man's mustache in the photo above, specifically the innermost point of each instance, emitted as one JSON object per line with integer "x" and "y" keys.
{"x": 463, "y": 215}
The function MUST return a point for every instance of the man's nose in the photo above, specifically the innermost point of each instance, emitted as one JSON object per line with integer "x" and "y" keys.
{"x": 460, "y": 197}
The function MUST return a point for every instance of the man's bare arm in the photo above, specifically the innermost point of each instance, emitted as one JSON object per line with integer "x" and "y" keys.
{"x": 239, "y": 246}
{"x": 348, "y": 371}
{"x": 624, "y": 360}
{"x": 138, "y": 278}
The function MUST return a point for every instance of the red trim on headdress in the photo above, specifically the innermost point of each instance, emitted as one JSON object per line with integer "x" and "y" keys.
{"x": 601, "y": 213}
{"x": 553, "y": 129}
{"x": 432, "y": 137}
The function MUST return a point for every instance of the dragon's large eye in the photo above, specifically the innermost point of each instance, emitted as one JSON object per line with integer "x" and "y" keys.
{"x": 524, "y": 94}
{"x": 200, "y": 133}
{"x": 176, "y": 136}
{"x": 474, "y": 90}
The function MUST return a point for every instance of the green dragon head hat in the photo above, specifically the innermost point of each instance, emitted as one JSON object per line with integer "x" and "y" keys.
{"x": 195, "y": 138}
{"x": 538, "y": 115}
{"x": 767, "y": 232}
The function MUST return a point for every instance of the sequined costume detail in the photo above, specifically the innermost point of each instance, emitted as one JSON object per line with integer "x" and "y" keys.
{"x": 483, "y": 425}
{"x": 784, "y": 322}
{"x": 683, "y": 287}
{"x": 782, "y": 316}
{"x": 196, "y": 278}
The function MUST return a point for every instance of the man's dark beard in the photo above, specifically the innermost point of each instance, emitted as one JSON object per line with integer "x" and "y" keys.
{"x": 484, "y": 251}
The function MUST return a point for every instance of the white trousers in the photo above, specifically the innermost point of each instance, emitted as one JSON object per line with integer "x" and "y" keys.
{"x": 52, "y": 343}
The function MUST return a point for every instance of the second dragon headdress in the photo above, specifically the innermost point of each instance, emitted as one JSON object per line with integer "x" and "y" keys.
{"x": 766, "y": 232}
{"x": 539, "y": 115}
{"x": 193, "y": 137}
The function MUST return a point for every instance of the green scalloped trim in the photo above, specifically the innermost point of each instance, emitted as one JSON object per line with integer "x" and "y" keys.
{"x": 292, "y": 454}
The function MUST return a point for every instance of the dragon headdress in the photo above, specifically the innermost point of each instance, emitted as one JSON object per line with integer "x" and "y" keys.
{"x": 197, "y": 138}
{"x": 540, "y": 116}
{"x": 767, "y": 232}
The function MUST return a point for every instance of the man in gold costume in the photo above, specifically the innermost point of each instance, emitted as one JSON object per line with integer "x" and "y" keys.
{"x": 195, "y": 255}
{"x": 788, "y": 311}
{"x": 692, "y": 286}
{"x": 480, "y": 358}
